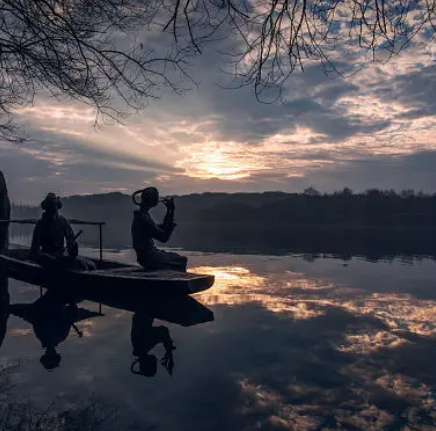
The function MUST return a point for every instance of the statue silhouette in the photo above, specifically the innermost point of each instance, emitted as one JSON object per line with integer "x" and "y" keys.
{"x": 144, "y": 231}
{"x": 52, "y": 317}
{"x": 144, "y": 337}
{"x": 4, "y": 304}
{"x": 5, "y": 213}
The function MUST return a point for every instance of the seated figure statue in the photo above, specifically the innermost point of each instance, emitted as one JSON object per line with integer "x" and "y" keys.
{"x": 144, "y": 231}
{"x": 51, "y": 232}
{"x": 49, "y": 237}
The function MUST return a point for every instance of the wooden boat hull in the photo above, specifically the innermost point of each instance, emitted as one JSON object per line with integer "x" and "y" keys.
{"x": 109, "y": 275}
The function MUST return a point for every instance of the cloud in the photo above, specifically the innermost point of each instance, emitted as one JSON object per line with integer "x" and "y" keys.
{"x": 66, "y": 164}
{"x": 310, "y": 102}
{"x": 414, "y": 171}
{"x": 415, "y": 90}
{"x": 367, "y": 130}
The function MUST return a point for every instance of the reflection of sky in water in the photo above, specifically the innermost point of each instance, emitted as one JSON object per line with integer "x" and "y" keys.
{"x": 294, "y": 346}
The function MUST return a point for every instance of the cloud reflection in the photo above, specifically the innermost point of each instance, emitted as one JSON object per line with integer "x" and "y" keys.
{"x": 281, "y": 290}
{"x": 236, "y": 285}
{"x": 362, "y": 360}
{"x": 296, "y": 345}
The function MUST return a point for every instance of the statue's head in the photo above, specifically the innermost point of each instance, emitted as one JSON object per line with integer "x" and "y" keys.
{"x": 149, "y": 197}
{"x": 51, "y": 203}
{"x": 50, "y": 359}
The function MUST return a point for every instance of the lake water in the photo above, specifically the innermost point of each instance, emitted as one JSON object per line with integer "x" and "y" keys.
{"x": 296, "y": 343}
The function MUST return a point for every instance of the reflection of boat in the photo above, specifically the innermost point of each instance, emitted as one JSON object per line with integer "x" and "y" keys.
{"x": 56, "y": 312}
{"x": 109, "y": 276}
{"x": 182, "y": 310}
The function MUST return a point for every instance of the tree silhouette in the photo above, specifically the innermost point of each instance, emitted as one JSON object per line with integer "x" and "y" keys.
{"x": 311, "y": 191}
{"x": 384, "y": 208}
{"x": 106, "y": 54}
{"x": 82, "y": 50}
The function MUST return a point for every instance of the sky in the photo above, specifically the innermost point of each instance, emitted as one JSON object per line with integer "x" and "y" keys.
{"x": 375, "y": 128}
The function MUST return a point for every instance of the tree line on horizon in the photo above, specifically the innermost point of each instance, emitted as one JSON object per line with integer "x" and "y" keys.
{"x": 372, "y": 207}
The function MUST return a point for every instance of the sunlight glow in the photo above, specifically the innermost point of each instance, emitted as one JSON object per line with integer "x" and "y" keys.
{"x": 281, "y": 290}
{"x": 195, "y": 149}
{"x": 217, "y": 160}
{"x": 235, "y": 285}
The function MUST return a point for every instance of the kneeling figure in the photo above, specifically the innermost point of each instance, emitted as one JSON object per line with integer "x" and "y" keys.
{"x": 144, "y": 230}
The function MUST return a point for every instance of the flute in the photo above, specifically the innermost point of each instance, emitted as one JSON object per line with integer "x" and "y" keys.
{"x": 169, "y": 216}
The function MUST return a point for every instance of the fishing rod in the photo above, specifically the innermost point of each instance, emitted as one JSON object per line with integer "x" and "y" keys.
{"x": 74, "y": 239}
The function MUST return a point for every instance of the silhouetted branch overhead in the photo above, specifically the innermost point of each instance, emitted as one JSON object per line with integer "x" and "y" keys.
{"x": 83, "y": 50}
{"x": 106, "y": 53}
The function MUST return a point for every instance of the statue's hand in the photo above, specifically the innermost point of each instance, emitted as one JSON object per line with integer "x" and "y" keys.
{"x": 169, "y": 203}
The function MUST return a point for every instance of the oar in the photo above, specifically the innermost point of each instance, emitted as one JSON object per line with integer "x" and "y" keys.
{"x": 79, "y": 332}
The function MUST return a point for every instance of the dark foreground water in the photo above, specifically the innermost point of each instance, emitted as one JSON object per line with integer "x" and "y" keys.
{"x": 295, "y": 344}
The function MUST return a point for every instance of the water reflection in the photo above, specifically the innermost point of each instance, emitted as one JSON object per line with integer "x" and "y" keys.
{"x": 236, "y": 285}
{"x": 277, "y": 288}
{"x": 295, "y": 345}
{"x": 52, "y": 316}
{"x": 358, "y": 346}
{"x": 4, "y": 305}
{"x": 145, "y": 337}
{"x": 56, "y": 312}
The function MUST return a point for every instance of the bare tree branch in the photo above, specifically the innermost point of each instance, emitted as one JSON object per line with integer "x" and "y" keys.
{"x": 93, "y": 50}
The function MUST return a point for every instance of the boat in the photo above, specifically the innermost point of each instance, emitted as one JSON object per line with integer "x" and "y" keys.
{"x": 109, "y": 276}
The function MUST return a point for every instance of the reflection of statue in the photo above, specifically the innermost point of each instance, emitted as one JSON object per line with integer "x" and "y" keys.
{"x": 52, "y": 317}
{"x": 145, "y": 337}
{"x": 52, "y": 326}
{"x": 4, "y": 305}
{"x": 183, "y": 311}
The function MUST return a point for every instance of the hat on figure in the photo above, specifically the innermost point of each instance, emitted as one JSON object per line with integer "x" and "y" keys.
{"x": 51, "y": 199}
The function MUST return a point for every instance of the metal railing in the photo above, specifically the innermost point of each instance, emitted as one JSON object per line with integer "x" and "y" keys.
{"x": 100, "y": 225}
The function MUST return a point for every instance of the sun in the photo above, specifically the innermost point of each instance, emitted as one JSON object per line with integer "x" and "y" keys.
{"x": 219, "y": 166}
{"x": 216, "y": 162}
